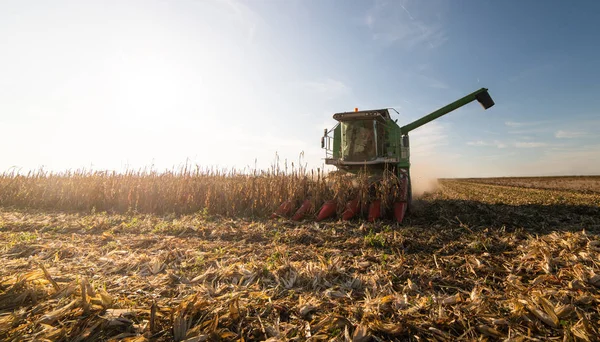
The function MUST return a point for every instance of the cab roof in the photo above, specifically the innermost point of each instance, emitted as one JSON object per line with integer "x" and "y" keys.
{"x": 381, "y": 114}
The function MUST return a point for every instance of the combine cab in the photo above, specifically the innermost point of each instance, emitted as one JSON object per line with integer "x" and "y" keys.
{"x": 371, "y": 144}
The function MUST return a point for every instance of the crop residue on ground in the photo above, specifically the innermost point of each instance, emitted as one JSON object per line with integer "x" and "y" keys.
{"x": 472, "y": 261}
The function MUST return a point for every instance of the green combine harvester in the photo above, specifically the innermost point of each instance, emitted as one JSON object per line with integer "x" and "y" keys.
{"x": 370, "y": 142}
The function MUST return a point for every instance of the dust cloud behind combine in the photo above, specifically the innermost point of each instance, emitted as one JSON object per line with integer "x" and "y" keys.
{"x": 424, "y": 177}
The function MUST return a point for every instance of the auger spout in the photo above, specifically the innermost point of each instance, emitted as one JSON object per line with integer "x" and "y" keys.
{"x": 481, "y": 95}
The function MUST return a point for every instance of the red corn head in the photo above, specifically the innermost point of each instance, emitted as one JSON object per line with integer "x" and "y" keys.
{"x": 374, "y": 210}
{"x": 304, "y": 208}
{"x": 400, "y": 211}
{"x": 284, "y": 210}
{"x": 327, "y": 210}
{"x": 351, "y": 210}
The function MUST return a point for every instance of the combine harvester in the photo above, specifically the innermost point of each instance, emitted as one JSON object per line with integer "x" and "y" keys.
{"x": 371, "y": 143}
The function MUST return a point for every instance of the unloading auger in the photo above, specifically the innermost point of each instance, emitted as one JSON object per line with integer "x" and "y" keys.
{"x": 369, "y": 144}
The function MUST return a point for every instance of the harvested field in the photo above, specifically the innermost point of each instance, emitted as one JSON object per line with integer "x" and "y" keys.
{"x": 586, "y": 184}
{"x": 473, "y": 261}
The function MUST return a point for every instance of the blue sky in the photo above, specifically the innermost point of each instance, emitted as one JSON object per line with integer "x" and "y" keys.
{"x": 230, "y": 83}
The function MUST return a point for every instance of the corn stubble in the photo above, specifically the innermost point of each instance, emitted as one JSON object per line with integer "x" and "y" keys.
{"x": 474, "y": 261}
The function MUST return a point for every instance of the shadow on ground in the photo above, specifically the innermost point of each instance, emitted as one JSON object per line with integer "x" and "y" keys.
{"x": 530, "y": 217}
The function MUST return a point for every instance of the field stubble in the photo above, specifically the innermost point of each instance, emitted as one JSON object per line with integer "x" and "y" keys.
{"x": 585, "y": 184}
{"x": 472, "y": 261}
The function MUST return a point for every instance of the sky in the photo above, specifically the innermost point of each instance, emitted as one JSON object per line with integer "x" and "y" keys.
{"x": 241, "y": 84}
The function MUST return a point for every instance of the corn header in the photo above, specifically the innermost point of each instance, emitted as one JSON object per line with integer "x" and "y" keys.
{"x": 370, "y": 143}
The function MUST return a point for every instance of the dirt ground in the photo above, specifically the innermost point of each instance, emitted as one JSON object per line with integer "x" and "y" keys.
{"x": 472, "y": 261}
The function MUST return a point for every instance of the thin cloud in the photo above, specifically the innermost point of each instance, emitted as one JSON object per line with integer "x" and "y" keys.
{"x": 392, "y": 22}
{"x": 514, "y": 124}
{"x": 580, "y": 160}
{"x": 434, "y": 82}
{"x": 426, "y": 140}
{"x": 531, "y": 72}
{"x": 328, "y": 88}
{"x": 405, "y": 10}
{"x": 529, "y": 127}
{"x": 530, "y": 144}
{"x": 529, "y": 131}
{"x": 517, "y": 124}
{"x": 502, "y": 156}
{"x": 570, "y": 134}
{"x": 494, "y": 143}
{"x": 327, "y": 122}
{"x": 245, "y": 16}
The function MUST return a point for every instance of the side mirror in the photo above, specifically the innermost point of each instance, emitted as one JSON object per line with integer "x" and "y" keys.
{"x": 405, "y": 142}
{"x": 322, "y": 142}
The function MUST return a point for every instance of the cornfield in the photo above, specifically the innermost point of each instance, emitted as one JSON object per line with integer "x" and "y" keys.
{"x": 185, "y": 191}
{"x": 189, "y": 256}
